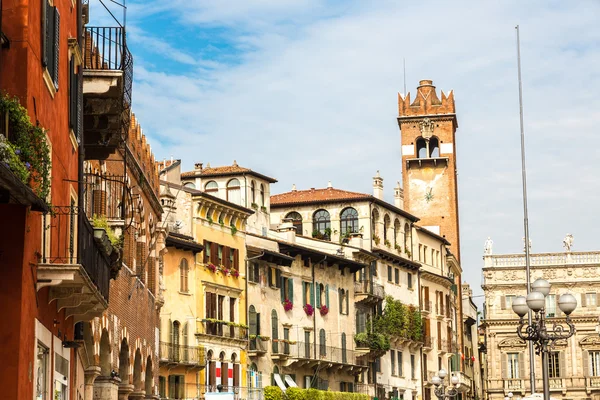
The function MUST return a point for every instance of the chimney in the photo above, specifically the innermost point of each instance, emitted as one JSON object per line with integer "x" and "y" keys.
{"x": 398, "y": 196}
{"x": 378, "y": 186}
{"x": 287, "y": 227}
{"x": 329, "y": 185}
{"x": 198, "y": 167}
{"x": 294, "y": 187}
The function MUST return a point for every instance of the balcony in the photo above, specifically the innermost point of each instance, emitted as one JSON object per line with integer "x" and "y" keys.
{"x": 107, "y": 86}
{"x": 368, "y": 292}
{"x": 427, "y": 343}
{"x": 257, "y": 347}
{"x": 370, "y": 346}
{"x": 303, "y": 354}
{"x": 426, "y": 307}
{"x": 465, "y": 383}
{"x": 74, "y": 264}
{"x": 221, "y": 330}
{"x": 174, "y": 354}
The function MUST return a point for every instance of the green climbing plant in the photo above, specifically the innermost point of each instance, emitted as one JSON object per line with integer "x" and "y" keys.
{"x": 28, "y": 153}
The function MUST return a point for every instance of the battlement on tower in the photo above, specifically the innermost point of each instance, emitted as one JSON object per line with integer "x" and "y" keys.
{"x": 426, "y": 102}
{"x": 142, "y": 152}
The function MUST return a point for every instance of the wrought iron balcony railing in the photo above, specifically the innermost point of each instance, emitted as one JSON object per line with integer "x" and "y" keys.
{"x": 175, "y": 353}
{"x": 69, "y": 239}
{"x": 222, "y": 329}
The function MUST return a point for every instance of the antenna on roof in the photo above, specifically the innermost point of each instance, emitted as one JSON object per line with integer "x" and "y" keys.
{"x": 404, "y": 67}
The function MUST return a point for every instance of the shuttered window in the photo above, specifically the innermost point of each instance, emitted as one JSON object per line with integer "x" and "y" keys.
{"x": 51, "y": 41}
{"x": 75, "y": 98}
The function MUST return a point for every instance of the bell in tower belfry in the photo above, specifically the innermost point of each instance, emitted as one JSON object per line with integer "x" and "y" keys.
{"x": 427, "y": 127}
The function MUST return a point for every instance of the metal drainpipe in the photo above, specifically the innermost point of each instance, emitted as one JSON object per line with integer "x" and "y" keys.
{"x": 421, "y": 349}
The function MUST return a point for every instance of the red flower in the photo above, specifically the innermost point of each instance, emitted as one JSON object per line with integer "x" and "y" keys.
{"x": 324, "y": 310}
{"x": 288, "y": 305}
{"x": 212, "y": 267}
{"x": 309, "y": 310}
{"x": 235, "y": 273}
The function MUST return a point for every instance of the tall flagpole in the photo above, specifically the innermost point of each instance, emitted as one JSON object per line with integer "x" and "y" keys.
{"x": 525, "y": 214}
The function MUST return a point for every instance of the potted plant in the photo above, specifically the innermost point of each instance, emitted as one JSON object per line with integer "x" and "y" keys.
{"x": 387, "y": 243}
{"x": 224, "y": 270}
{"x": 264, "y": 338}
{"x": 407, "y": 251}
{"x": 254, "y": 205}
{"x": 398, "y": 248}
{"x": 235, "y": 273}
{"x": 288, "y": 305}
{"x": 211, "y": 267}
{"x": 376, "y": 239}
{"x": 233, "y": 229}
{"x": 327, "y": 233}
{"x": 309, "y": 309}
{"x": 324, "y": 310}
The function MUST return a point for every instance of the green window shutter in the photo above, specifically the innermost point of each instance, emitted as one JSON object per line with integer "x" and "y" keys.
{"x": 327, "y": 295}
{"x": 318, "y": 299}
{"x": 341, "y": 300}
{"x": 291, "y": 290}
{"x": 304, "y": 284}
{"x": 282, "y": 288}
{"x": 347, "y": 303}
{"x": 312, "y": 294}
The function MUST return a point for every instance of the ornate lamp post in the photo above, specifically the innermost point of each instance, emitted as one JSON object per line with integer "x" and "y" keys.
{"x": 541, "y": 335}
{"x": 442, "y": 391}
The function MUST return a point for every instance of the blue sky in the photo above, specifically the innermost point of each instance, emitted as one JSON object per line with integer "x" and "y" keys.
{"x": 306, "y": 91}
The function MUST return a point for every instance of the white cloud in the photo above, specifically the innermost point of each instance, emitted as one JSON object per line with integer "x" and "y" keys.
{"x": 314, "y": 99}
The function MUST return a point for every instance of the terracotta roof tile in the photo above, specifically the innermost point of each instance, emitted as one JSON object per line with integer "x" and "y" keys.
{"x": 225, "y": 170}
{"x": 161, "y": 165}
{"x": 316, "y": 195}
{"x": 330, "y": 195}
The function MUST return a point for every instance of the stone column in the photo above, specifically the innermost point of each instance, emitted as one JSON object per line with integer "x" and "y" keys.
{"x": 106, "y": 388}
{"x": 124, "y": 391}
{"x": 91, "y": 373}
{"x": 137, "y": 395}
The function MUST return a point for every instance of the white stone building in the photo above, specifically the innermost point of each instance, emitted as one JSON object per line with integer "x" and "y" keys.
{"x": 574, "y": 363}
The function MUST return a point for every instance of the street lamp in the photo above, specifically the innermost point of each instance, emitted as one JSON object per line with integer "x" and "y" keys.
{"x": 442, "y": 391}
{"x": 537, "y": 331}
{"x": 508, "y": 396}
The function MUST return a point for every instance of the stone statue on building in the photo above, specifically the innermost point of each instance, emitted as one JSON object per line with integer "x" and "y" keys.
{"x": 568, "y": 242}
{"x": 487, "y": 249}
{"x": 524, "y": 245}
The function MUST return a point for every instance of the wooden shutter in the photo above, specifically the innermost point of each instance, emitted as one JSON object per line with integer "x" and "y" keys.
{"x": 583, "y": 300}
{"x": 327, "y": 295}
{"x": 291, "y": 290}
{"x": 72, "y": 95}
{"x": 56, "y": 47}
{"x": 312, "y": 294}
{"x": 318, "y": 299}
{"x": 504, "y": 365}
{"x": 258, "y": 323}
{"x": 503, "y": 302}
{"x": 281, "y": 287}
{"x": 341, "y": 300}
{"x": 522, "y": 373}
{"x": 181, "y": 387}
{"x": 47, "y": 16}
{"x": 226, "y": 258}
{"x": 172, "y": 386}
{"x": 597, "y": 299}
{"x": 278, "y": 277}
{"x": 562, "y": 373}
{"x": 204, "y": 254}
{"x": 585, "y": 363}
{"x": 347, "y": 302}
{"x": 236, "y": 260}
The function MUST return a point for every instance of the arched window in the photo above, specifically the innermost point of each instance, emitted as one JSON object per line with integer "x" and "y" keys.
{"x": 234, "y": 194}
{"x": 275, "y": 372}
{"x": 349, "y": 221}
{"x": 262, "y": 195}
{"x": 211, "y": 187}
{"x": 396, "y": 232}
{"x": 236, "y": 370}
{"x": 274, "y": 331}
{"x": 386, "y": 226}
{"x": 421, "y": 148}
{"x": 253, "y": 192}
{"x": 253, "y": 325}
{"x": 343, "y": 297}
{"x": 434, "y": 147}
{"x": 407, "y": 244}
{"x": 344, "y": 359}
{"x": 374, "y": 222}
{"x": 190, "y": 185}
{"x": 322, "y": 343}
{"x": 183, "y": 275}
{"x": 296, "y": 221}
{"x": 212, "y": 368}
{"x": 321, "y": 225}
{"x": 224, "y": 369}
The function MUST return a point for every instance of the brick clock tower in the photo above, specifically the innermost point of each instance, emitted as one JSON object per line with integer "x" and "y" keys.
{"x": 427, "y": 127}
